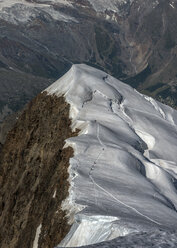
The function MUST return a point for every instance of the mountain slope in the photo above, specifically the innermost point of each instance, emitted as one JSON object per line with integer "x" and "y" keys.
{"x": 132, "y": 40}
{"x": 123, "y": 173}
{"x": 157, "y": 238}
{"x": 33, "y": 173}
{"x": 93, "y": 154}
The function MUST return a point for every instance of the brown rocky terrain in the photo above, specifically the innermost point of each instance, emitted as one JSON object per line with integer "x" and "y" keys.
{"x": 33, "y": 175}
{"x": 7, "y": 125}
{"x": 0, "y": 147}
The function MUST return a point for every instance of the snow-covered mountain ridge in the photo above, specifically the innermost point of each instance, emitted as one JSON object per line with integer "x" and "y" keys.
{"x": 123, "y": 174}
{"x": 99, "y": 5}
{"x": 41, "y": 39}
{"x": 23, "y": 11}
{"x": 89, "y": 159}
{"x": 16, "y": 12}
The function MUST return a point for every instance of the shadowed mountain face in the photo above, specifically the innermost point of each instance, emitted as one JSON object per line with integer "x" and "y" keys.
{"x": 132, "y": 40}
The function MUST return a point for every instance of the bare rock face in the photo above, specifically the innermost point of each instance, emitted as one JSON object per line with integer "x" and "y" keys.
{"x": 7, "y": 125}
{"x": 0, "y": 147}
{"x": 33, "y": 175}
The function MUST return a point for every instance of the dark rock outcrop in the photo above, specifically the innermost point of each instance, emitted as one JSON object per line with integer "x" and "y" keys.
{"x": 0, "y": 147}
{"x": 7, "y": 125}
{"x": 33, "y": 175}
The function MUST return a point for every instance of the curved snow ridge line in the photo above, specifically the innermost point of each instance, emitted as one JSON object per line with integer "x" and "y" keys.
{"x": 153, "y": 171}
{"x": 169, "y": 166}
{"x": 97, "y": 227}
{"x": 117, "y": 100}
{"x": 120, "y": 99}
{"x": 119, "y": 105}
{"x": 126, "y": 118}
{"x": 129, "y": 120}
{"x": 115, "y": 198}
{"x": 148, "y": 139}
{"x": 145, "y": 239}
{"x": 163, "y": 181}
{"x": 156, "y": 106}
{"x": 160, "y": 179}
{"x": 116, "y": 106}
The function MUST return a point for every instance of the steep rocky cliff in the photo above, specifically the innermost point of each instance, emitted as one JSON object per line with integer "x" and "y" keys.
{"x": 33, "y": 176}
{"x": 7, "y": 125}
{"x": 0, "y": 147}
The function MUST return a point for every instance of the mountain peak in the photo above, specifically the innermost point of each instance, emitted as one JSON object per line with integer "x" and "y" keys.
{"x": 89, "y": 160}
{"x": 119, "y": 164}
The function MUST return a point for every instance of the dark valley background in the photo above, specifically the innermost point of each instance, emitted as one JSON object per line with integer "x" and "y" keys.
{"x": 134, "y": 41}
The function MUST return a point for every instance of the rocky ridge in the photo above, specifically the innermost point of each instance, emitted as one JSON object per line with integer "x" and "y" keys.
{"x": 33, "y": 175}
{"x": 106, "y": 166}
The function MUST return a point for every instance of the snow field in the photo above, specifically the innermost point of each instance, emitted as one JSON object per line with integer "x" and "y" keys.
{"x": 124, "y": 166}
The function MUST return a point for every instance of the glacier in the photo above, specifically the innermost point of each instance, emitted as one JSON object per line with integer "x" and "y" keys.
{"x": 21, "y": 11}
{"x": 123, "y": 176}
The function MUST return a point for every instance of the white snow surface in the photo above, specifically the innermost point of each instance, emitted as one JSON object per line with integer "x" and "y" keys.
{"x": 38, "y": 231}
{"x": 124, "y": 170}
{"x": 21, "y": 11}
{"x": 10, "y": 3}
{"x": 98, "y": 5}
{"x": 111, "y": 5}
{"x": 157, "y": 238}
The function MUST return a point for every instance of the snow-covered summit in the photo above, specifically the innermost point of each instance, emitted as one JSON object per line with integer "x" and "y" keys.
{"x": 123, "y": 175}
